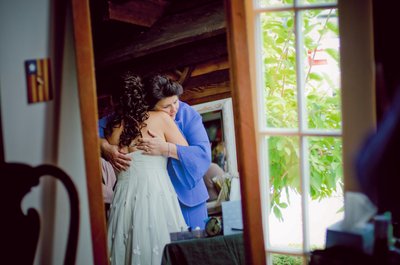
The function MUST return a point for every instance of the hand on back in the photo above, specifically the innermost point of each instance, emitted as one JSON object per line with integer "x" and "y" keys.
{"x": 118, "y": 159}
{"x": 154, "y": 145}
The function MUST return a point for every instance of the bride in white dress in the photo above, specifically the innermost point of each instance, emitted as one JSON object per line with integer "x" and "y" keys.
{"x": 145, "y": 207}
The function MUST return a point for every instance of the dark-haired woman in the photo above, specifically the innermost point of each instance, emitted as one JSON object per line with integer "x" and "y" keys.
{"x": 145, "y": 208}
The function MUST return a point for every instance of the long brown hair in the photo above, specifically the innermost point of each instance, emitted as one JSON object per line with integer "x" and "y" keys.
{"x": 131, "y": 109}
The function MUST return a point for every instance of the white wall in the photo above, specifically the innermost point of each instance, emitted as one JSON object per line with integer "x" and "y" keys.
{"x": 29, "y": 129}
{"x": 24, "y": 27}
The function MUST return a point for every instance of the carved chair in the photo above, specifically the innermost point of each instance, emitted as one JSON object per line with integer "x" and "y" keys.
{"x": 22, "y": 231}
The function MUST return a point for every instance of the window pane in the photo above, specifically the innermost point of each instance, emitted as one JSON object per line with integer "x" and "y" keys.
{"x": 285, "y": 3}
{"x": 279, "y": 61}
{"x": 314, "y": 2}
{"x": 275, "y": 3}
{"x": 322, "y": 72}
{"x": 285, "y": 219}
{"x": 326, "y": 187}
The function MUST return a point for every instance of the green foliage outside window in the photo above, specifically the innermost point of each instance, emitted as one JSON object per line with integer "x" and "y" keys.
{"x": 286, "y": 260}
{"x": 322, "y": 99}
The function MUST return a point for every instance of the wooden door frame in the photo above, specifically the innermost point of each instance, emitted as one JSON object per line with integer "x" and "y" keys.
{"x": 89, "y": 116}
{"x": 246, "y": 144}
{"x": 244, "y": 121}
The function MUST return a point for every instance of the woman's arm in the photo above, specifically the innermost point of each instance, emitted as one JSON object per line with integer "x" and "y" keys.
{"x": 194, "y": 159}
{"x": 174, "y": 137}
{"x": 172, "y": 133}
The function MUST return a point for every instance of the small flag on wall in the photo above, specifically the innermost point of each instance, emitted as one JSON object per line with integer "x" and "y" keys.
{"x": 38, "y": 80}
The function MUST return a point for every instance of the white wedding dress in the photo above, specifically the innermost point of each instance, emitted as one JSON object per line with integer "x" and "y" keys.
{"x": 144, "y": 210}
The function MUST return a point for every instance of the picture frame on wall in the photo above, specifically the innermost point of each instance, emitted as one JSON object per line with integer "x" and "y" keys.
{"x": 219, "y": 123}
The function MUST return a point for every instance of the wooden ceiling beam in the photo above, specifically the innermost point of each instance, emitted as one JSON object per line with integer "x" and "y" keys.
{"x": 211, "y": 78}
{"x": 211, "y": 66}
{"x": 138, "y": 12}
{"x": 168, "y": 32}
{"x": 206, "y": 93}
{"x": 214, "y": 48}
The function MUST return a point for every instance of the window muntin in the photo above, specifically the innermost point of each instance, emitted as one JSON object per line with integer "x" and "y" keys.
{"x": 290, "y": 3}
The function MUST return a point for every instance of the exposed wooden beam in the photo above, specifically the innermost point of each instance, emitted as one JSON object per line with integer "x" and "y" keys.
{"x": 211, "y": 78}
{"x": 168, "y": 32}
{"x": 194, "y": 101}
{"x": 138, "y": 12}
{"x": 206, "y": 93}
{"x": 192, "y": 54}
{"x": 211, "y": 66}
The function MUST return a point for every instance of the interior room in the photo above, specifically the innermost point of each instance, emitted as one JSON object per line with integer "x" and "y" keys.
{"x": 185, "y": 41}
{"x": 299, "y": 102}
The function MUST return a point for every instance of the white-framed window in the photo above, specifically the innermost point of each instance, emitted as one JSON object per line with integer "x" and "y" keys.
{"x": 306, "y": 87}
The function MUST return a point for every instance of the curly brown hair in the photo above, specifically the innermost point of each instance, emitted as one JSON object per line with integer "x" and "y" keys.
{"x": 131, "y": 109}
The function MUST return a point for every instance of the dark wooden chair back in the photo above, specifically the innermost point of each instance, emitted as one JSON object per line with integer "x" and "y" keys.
{"x": 22, "y": 231}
